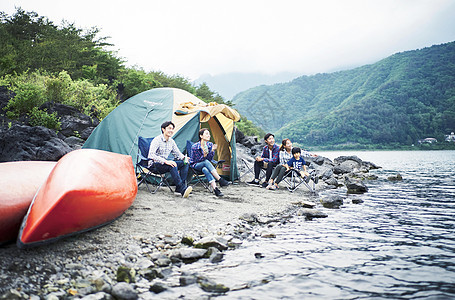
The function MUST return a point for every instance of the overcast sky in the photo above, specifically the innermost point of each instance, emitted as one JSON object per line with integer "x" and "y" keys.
{"x": 198, "y": 37}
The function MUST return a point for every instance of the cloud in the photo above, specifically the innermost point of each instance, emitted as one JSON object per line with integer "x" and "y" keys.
{"x": 205, "y": 36}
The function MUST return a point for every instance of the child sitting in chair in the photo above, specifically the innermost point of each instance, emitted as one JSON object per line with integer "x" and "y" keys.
{"x": 298, "y": 163}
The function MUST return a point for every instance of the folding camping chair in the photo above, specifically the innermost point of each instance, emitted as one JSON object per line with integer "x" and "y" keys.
{"x": 197, "y": 175}
{"x": 293, "y": 180}
{"x": 250, "y": 169}
{"x": 146, "y": 174}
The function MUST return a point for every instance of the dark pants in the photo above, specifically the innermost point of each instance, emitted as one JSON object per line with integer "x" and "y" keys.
{"x": 179, "y": 179}
{"x": 258, "y": 165}
{"x": 278, "y": 173}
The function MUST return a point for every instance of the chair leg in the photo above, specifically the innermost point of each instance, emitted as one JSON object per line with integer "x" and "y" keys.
{"x": 248, "y": 169}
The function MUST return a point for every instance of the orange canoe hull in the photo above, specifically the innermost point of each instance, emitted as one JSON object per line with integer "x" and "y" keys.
{"x": 87, "y": 189}
{"x": 19, "y": 182}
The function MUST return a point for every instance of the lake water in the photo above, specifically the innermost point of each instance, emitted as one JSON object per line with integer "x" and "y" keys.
{"x": 398, "y": 244}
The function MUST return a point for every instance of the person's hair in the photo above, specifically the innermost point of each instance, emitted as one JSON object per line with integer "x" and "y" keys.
{"x": 166, "y": 124}
{"x": 268, "y": 135}
{"x": 296, "y": 150}
{"x": 283, "y": 144}
{"x": 201, "y": 132}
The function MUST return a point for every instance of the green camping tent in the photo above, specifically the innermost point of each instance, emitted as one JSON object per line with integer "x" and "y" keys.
{"x": 143, "y": 114}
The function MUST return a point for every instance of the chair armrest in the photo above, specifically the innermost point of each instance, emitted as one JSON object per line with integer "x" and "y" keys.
{"x": 216, "y": 163}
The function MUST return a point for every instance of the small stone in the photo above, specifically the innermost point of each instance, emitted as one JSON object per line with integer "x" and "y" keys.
{"x": 98, "y": 296}
{"x": 311, "y": 213}
{"x": 163, "y": 261}
{"x": 213, "y": 241}
{"x": 125, "y": 274}
{"x": 191, "y": 253}
{"x": 267, "y": 234}
{"x": 357, "y": 201}
{"x": 250, "y": 218}
{"x": 211, "y": 286}
{"x": 124, "y": 291}
{"x": 187, "y": 240}
{"x": 397, "y": 177}
{"x": 158, "y": 288}
{"x": 187, "y": 280}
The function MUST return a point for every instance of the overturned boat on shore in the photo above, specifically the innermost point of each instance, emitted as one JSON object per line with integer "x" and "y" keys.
{"x": 87, "y": 189}
{"x": 19, "y": 182}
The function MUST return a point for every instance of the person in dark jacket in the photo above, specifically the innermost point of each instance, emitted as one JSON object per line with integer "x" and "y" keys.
{"x": 268, "y": 160}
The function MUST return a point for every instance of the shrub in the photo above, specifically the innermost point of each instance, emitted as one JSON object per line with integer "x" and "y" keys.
{"x": 28, "y": 96}
{"x": 43, "y": 118}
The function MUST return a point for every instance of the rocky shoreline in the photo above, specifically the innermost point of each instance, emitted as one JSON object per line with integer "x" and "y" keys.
{"x": 142, "y": 254}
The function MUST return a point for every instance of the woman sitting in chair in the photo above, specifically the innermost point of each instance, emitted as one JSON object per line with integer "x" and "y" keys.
{"x": 202, "y": 153}
{"x": 280, "y": 170}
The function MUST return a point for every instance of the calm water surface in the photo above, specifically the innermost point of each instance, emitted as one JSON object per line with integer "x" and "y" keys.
{"x": 398, "y": 244}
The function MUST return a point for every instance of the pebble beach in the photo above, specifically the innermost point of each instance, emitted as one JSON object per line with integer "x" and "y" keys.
{"x": 138, "y": 256}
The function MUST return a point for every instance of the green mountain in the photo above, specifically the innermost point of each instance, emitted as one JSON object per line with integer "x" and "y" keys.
{"x": 396, "y": 101}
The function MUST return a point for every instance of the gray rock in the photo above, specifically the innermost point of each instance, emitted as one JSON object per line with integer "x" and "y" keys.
{"x": 163, "y": 261}
{"x": 249, "y": 217}
{"x": 215, "y": 256}
{"x": 211, "y": 286}
{"x": 73, "y": 140}
{"x": 256, "y": 149}
{"x": 191, "y": 253}
{"x": 347, "y": 166}
{"x": 124, "y": 291}
{"x": 396, "y": 177}
{"x": 212, "y": 241}
{"x": 333, "y": 201}
{"x": 158, "y": 287}
{"x": 98, "y": 296}
{"x": 310, "y": 213}
{"x": 72, "y": 121}
{"x": 357, "y": 201}
{"x": 249, "y": 141}
{"x": 21, "y": 142}
{"x": 125, "y": 274}
{"x": 332, "y": 181}
{"x": 355, "y": 186}
{"x": 187, "y": 280}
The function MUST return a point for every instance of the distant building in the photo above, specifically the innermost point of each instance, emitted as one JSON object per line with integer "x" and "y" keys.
{"x": 428, "y": 141}
{"x": 450, "y": 137}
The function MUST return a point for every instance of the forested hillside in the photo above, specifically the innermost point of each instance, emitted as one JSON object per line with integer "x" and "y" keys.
{"x": 42, "y": 62}
{"x": 396, "y": 101}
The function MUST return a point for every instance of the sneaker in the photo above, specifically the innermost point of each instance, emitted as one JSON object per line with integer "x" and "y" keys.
{"x": 223, "y": 182}
{"x": 218, "y": 193}
{"x": 186, "y": 192}
{"x": 315, "y": 179}
{"x": 264, "y": 184}
{"x": 307, "y": 179}
{"x": 253, "y": 182}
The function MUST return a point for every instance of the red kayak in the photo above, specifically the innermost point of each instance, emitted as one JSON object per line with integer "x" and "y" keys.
{"x": 19, "y": 182}
{"x": 87, "y": 189}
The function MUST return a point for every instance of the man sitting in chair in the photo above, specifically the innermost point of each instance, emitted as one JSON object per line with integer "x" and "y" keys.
{"x": 160, "y": 148}
{"x": 268, "y": 160}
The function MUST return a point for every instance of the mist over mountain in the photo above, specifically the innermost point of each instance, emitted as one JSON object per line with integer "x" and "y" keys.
{"x": 396, "y": 101}
{"x": 229, "y": 84}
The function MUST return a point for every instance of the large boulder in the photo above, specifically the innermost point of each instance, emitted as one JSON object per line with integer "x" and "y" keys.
{"x": 74, "y": 123}
{"x": 22, "y": 142}
{"x": 355, "y": 186}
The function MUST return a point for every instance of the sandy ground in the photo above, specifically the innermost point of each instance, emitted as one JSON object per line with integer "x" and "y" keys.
{"x": 164, "y": 214}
